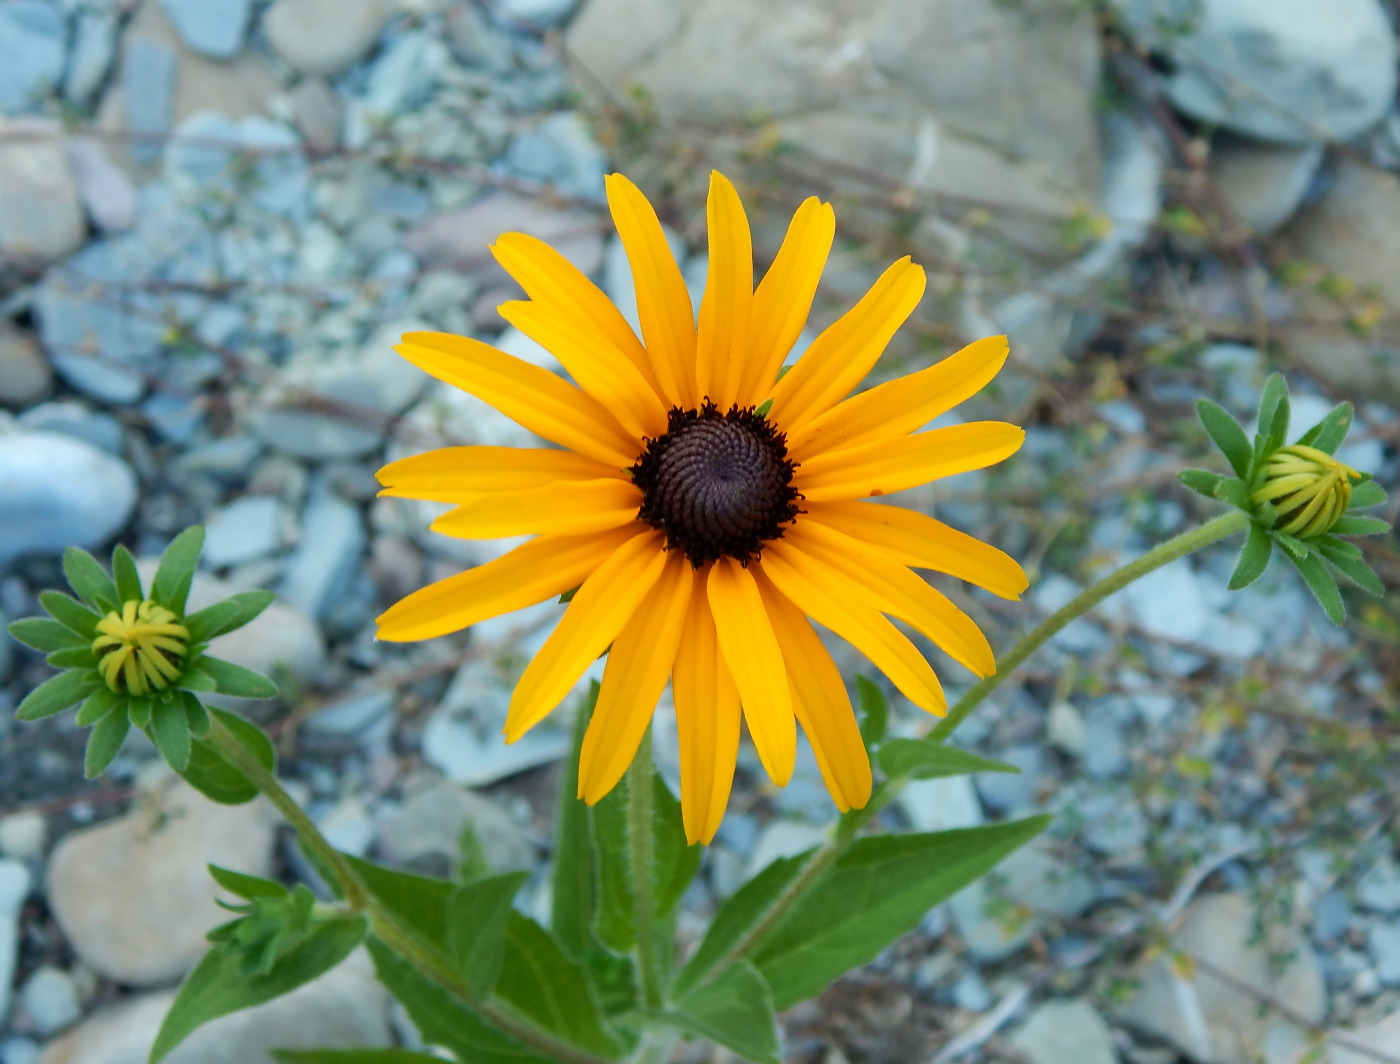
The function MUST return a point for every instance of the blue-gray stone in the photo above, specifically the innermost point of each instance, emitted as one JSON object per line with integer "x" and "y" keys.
{"x": 1331, "y": 917}
{"x": 32, "y": 43}
{"x": 175, "y": 418}
{"x": 57, "y": 491}
{"x": 148, "y": 78}
{"x": 1384, "y": 943}
{"x": 76, "y": 420}
{"x": 1007, "y": 793}
{"x": 94, "y": 48}
{"x": 332, "y": 541}
{"x": 210, "y": 27}
{"x": 245, "y": 529}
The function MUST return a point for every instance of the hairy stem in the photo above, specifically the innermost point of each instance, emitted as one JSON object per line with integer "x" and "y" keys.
{"x": 642, "y": 861}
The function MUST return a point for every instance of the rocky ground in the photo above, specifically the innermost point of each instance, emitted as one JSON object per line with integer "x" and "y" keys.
{"x": 217, "y": 215}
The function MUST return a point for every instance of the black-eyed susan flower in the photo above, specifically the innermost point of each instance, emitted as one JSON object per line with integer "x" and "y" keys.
{"x": 706, "y": 505}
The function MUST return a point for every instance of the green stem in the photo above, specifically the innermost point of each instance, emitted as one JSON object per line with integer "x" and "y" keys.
{"x": 642, "y": 860}
{"x": 386, "y": 925}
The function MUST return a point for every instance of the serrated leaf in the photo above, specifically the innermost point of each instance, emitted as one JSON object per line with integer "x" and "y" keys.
{"x": 216, "y": 778}
{"x": 246, "y": 886}
{"x": 70, "y": 613}
{"x": 218, "y": 987}
{"x": 227, "y": 615}
{"x": 874, "y": 711}
{"x": 1273, "y": 416}
{"x": 1367, "y": 494}
{"x": 1233, "y": 491}
{"x": 735, "y": 1010}
{"x": 72, "y": 658}
{"x": 56, "y": 694}
{"x": 98, "y": 705}
{"x": 124, "y": 573}
{"x": 104, "y": 742}
{"x": 171, "y": 586}
{"x": 1353, "y": 566}
{"x": 924, "y": 759}
{"x": 171, "y": 732}
{"x": 1228, "y": 435}
{"x": 354, "y": 1056}
{"x": 45, "y": 635}
{"x": 89, "y": 580}
{"x": 231, "y": 679}
{"x": 1327, "y": 435}
{"x": 1294, "y": 547}
{"x": 196, "y": 715}
{"x": 420, "y": 901}
{"x": 1360, "y": 525}
{"x": 1323, "y": 585}
{"x": 1201, "y": 481}
{"x": 1254, "y": 558}
{"x": 877, "y": 891}
{"x": 476, "y": 929}
{"x": 574, "y": 899}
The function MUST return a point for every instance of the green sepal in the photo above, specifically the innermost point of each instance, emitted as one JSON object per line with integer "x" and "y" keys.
{"x": 216, "y": 778}
{"x": 72, "y": 658}
{"x": 925, "y": 759}
{"x": 1348, "y": 560}
{"x": 57, "y": 693}
{"x": 171, "y": 586}
{"x": 193, "y": 679}
{"x": 1254, "y": 558}
{"x": 45, "y": 635}
{"x": 227, "y": 615}
{"x": 170, "y": 731}
{"x": 87, "y": 577}
{"x": 138, "y": 711}
{"x": 124, "y": 572}
{"x": 104, "y": 742}
{"x": 1233, "y": 491}
{"x": 1359, "y": 525}
{"x": 1228, "y": 435}
{"x": 1273, "y": 417}
{"x": 235, "y": 680}
{"x": 1201, "y": 481}
{"x": 1367, "y": 494}
{"x": 1327, "y": 435}
{"x": 735, "y": 1010}
{"x": 1323, "y": 585}
{"x": 476, "y": 929}
{"x": 70, "y": 613}
{"x": 245, "y": 886}
{"x": 1294, "y": 547}
{"x": 196, "y": 715}
{"x": 764, "y": 408}
{"x": 874, "y": 711}
{"x": 98, "y": 705}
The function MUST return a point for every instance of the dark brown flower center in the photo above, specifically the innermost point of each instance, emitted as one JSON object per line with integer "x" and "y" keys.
{"x": 717, "y": 484}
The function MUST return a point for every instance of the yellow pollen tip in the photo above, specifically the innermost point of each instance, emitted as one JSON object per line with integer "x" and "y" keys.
{"x": 135, "y": 646}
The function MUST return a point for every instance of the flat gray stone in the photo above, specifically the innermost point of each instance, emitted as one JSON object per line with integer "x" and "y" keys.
{"x": 1379, "y": 889}
{"x": 242, "y": 531}
{"x": 1066, "y": 1032}
{"x": 325, "y": 36}
{"x": 332, "y": 544}
{"x": 997, "y": 915}
{"x": 25, "y": 376}
{"x": 14, "y": 888}
{"x": 1263, "y": 183}
{"x": 210, "y": 27}
{"x": 94, "y": 49}
{"x": 430, "y": 821}
{"x": 32, "y": 44}
{"x": 43, "y": 217}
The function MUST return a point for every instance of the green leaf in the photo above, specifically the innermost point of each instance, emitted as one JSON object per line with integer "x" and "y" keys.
{"x": 104, "y": 742}
{"x": 235, "y": 680}
{"x": 98, "y": 705}
{"x": 91, "y": 582}
{"x": 476, "y": 929}
{"x": 197, "y": 680}
{"x": 1254, "y": 558}
{"x": 124, "y": 573}
{"x": 1328, "y": 434}
{"x": 574, "y": 899}
{"x": 44, "y": 635}
{"x": 227, "y": 615}
{"x": 217, "y": 986}
{"x": 171, "y": 586}
{"x": 246, "y": 886}
{"x": 72, "y": 658}
{"x": 138, "y": 711}
{"x": 1352, "y": 565}
{"x": 1323, "y": 585}
{"x": 216, "y": 778}
{"x": 1348, "y": 525}
{"x": 1273, "y": 416}
{"x": 353, "y": 1056}
{"x": 924, "y": 759}
{"x": 196, "y": 716}
{"x": 441, "y": 1018}
{"x": 170, "y": 730}
{"x": 1367, "y": 494}
{"x": 877, "y": 891}
{"x": 70, "y": 613}
{"x": 539, "y": 980}
{"x": 420, "y": 901}
{"x": 56, "y": 694}
{"x": 1228, "y": 435}
{"x": 735, "y": 1010}
{"x": 1294, "y": 547}
{"x": 1233, "y": 491}
{"x": 874, "y": 711}
{"x": 1201, "y": 481}
{"x": 676, "y": 860}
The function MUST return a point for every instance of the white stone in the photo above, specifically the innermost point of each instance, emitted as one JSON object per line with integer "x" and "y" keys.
{"x": 1168, "y": 602}
{"x": 533, "y": 12}
{"x": 430, "y": 822}
{"x": 43, "y": 217}
{"x": 14, "y": 888}
{"x": 22, "y": 835}
{"x": 1066, "y": 1032}
{"x": 1263, "y": 183}
{"x": 210, "y": 27}
{"x": 1383, "y": 1036}
{"x": 105, "y": 189}
{"x": 325, "y": 36}
{"x": 245, "y": 529}
{"x": 942, "y": 804}
{"x": 1065, "y": 729}
{"x": 348, "y": 826}
{"x": 50, "y": 999}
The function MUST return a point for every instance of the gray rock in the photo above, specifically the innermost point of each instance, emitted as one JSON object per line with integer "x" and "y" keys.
{"x": 367, "y": 715}
{"x": 210, "y": 27}
{"x": 329, "y": 554}
{"x": 941, "y": 804}
{"x": 970, "y": 992}
{"x": 22, "y": 835}
{"x": 1379, "y": 889}
{"x": 1383, "y": 940}
{"x": 1008, "y": 793}
{"x": 1282, "y": 70}
{"x": 997, "y": 915}
{"x": 1066, "y": 1032}
{"x": 325, "y": 36}
{"x": 1105, "y": 753}
{"x": 133, "y": 895}
{"x": 1168, "y": 603}
{"x": 345, "y": 1008}
{"x": 245, "y": 529}
{"x": 399, "y": 80}
{"x": 477, "y": 40}
{"x": 430, "y": 821}
{"x": 105, "y": 189}
{"x": 783, "y": 838}
{"x": 94, "y": 48}
{"x": 56, "y": 491}
{"x": 25, "y": 377}
{"x": 1116, "y": 825}
{"x": 318, "y": 114}
{"x": 50, "y": 999}
{"x": 72, "y": 418}
{"x": 14, "y": 888}
{"x": 19, "y": 1050}
{"x": 148, "y": 86}
{"x": 533, "y": 12}
{"x": 32, "y": 43}
{"x": 1065, "y": 729}
{"x": 43, "y": 218}
{"x": 1382, "y": 1036}
{"x": 1263, "y": 183}
{"x": 1209, "y": 1020}
{"x": 560, "y": 151}
{"x": 207, "y": 157}
{"x": 1331, "y": 917}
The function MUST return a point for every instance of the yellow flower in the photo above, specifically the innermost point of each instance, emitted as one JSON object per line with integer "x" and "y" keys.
{"x": 701, "y": 533}
{"x": 1309, "y": 488}
{"x": 136, "y": 646}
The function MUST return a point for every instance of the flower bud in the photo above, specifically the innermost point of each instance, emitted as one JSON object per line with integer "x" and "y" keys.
{"x": 138, "y": 649}
{"x": 1309, "y": 488}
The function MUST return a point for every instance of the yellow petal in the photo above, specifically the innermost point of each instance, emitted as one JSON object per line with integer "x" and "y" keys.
{"x": 861, "y": 625}
{"x": 598, "y": 367}
{"x": 824, "y": 555}
{"x": 918, "y": 540}
{"x": 544, "y": 403}
{"x": 604, "y": 603}
{"x": 707, "y": 719}
{"x": 904, "y": 405}
{"x": 663, "y": 302}
{"x": 455, "y": 474}
{"x": 755, "y": 660}
{"x": 529, "y": 574}
{"x": 553, "y": 281}
{"x": 893, "y": 465}
{"x": 638, "y": 665}
{"x": 569, "y": 508}
{"x": 721, "y": 343}
{"x": 784, "y": 296}
{"x": 843, "y": 354}
{"x": 820, "y": 701}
